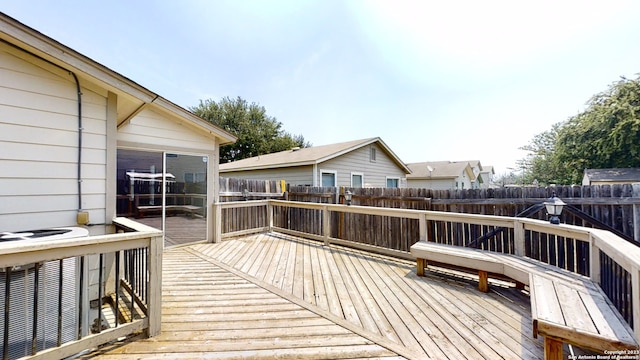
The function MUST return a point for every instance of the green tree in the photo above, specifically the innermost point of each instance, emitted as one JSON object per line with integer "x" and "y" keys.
{"x": 605, "y": 135}
{"x": 257, "y": 132}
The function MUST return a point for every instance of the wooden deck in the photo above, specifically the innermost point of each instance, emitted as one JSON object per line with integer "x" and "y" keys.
{"x": 276, "y": 296}
{"x": 180, "y": 229}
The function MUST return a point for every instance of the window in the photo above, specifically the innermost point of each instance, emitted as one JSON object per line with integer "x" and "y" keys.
{"x": 393, "y": 182}
{"x": 357, "y": 180}
{"x": 328, "y": 178}
{"x": 372, "y": 154}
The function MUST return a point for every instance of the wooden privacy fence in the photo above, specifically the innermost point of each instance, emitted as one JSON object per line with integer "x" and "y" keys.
{"x": 615, "y": 206}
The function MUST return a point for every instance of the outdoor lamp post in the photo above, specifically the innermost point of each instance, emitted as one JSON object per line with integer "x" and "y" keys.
{"x": 554, "y": 208}
{"x": 347, "y": 197}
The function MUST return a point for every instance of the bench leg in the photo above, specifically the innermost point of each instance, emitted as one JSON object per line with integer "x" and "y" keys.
{"x": 420, "y": 264}
{"x": 552, "y": 349}
{"x": 483, "y": 284}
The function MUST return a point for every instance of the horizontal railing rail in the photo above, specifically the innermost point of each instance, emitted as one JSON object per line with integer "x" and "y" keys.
{"x": 607, "y": 259}
{"x": 64, "y": 284}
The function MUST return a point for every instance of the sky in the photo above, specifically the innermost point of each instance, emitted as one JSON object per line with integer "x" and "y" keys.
{"x": 435, "y": 80}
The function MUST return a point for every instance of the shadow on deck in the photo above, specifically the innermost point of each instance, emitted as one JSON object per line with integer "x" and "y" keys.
{"x": 276, "y": 296}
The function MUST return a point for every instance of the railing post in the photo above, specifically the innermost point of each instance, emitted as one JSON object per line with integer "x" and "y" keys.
{"x": 154, "y": 264}
{"x": 635, "y": 300}
{"x": 594, "y": 255}
{"x": 518, "y": 238}
{"x": 217, "y": 222}
{"x": 422, "y": 226}
{"x": 269, "y": 215}
{"x": 326, "y": 226}
{"x": 636, "y": 212}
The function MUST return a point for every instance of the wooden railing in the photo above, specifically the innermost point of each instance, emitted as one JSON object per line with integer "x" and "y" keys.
{"x": 607, "y": 259}
{"x": 123, "y": 269}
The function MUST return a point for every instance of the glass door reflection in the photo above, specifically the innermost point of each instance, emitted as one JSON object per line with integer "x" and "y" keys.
{"x": 186, "y": 199}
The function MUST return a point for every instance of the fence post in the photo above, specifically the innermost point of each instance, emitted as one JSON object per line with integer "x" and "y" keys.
{"x": 326, "y": 226}
{"x": 154, "y": 264}
{"x": 518, "y": 238}
{"x": 217, "y": 222}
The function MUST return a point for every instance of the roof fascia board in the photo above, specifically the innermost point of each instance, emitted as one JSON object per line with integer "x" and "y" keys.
{"x": 197, "y": 122}
{"x": 394, "y": 157}
{"x": 469, "y": 172}
{"x": 20, "y": 35}
{"x": 274, "y": 166}
{"x": 45, "y": 47}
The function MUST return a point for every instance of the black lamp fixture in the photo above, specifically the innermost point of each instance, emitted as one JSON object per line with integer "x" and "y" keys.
{"x": 347, "y": 197}
{"x": 554, "y": 208}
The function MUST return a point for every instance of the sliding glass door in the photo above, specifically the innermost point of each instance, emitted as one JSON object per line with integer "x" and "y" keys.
{"x": 166, "y": 191}
{"x": 186, "y": 199}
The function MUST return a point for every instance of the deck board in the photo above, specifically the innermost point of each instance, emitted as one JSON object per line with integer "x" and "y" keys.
{"x": 383, "y": 296}
{"x": 273, "y": 295}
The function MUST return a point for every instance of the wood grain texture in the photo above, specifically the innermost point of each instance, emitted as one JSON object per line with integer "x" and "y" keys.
{"x": 278, "y": 296}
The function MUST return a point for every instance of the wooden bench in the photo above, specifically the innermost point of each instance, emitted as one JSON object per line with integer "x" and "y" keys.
{"x": 170, "y": 209}
{"x": 565, "y": 307}
{"x": 464, "y": 259}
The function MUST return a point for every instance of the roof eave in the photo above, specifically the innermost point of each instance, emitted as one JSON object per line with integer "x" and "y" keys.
{"x": 266, "y": 167}
{"x": 20, "y": 35}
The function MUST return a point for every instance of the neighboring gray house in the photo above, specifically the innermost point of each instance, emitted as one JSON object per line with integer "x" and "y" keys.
{"x": 487, "y": 174}
{"x": 441, "y": 175}
{"x": 611, "y": 176}
{"x": 477, "y": 169}
{"x": 360, "y": 163}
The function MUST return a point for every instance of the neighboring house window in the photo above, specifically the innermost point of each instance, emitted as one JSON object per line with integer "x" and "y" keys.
{"x": 328, "y": 177}
{"x": 372, "y": 154}
{"x": 393, "y": 182}
{"x": 357, "y": 180}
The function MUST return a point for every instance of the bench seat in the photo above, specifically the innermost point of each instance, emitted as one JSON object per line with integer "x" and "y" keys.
{"x": 458, "y": 257}
{"x": 565, "y": 307}
{"x": 576, "y": 314}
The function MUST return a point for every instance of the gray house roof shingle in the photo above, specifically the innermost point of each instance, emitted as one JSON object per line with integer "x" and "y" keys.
{"x": 307, "y": 156}
{"x": 439, "y": 170}
{"x": 612, "y": 175}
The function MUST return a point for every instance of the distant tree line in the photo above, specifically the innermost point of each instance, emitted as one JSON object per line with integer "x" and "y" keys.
{"x": 257, "y": 132}
{"x": 605, "y": 135}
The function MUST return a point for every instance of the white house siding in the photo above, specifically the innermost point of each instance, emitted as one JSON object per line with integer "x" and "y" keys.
{"x": 444, "y": 184}
{"x": 440, "y": 184}
{"x": 38, "y": 145}
{"x": 299, "y": 175}
{"x": 358, "y": 161}
{"x": 152, "y": 129}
